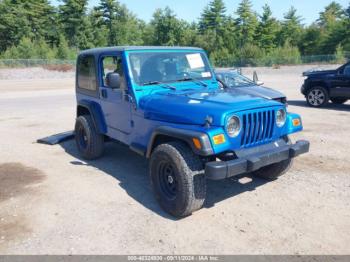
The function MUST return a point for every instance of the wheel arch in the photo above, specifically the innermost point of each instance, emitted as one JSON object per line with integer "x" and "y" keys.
{"x": 316, "y": 83}
{"x": 94, "y": 110}
{"x": 167, "y": 134}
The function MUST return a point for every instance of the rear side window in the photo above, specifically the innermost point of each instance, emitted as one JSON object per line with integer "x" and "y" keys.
{"x": 87, "y": 73}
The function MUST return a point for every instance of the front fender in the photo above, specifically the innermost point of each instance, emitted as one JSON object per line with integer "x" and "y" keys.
{"x": 293, "y": 124}
{"x": 183, "y": 135}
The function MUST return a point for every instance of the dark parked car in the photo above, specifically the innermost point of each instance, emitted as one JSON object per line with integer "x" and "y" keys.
{"x": 321, "y": 86}
{"x": 234, "y": 81}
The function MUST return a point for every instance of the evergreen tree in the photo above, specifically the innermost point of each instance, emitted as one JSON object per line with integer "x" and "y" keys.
{"x": 24, "y": 50}
{"x": 72, "y": 16}
{"x": 62, "y": 48}
{"x": 347, "y": 25}
{"x": 36, "y": 29}
{"x": 33, "y": 19}
{"x": 189, "y": 33}
{"x": 291, "y": 30}
{"x": 339, "y": 54}
{"x": 213, "y": 17}
{"x": 331, "y": 14}
{"x": 311, "y": 40}
{"x": 123, "y": 27}
{"x": 43, "y": 50}
{"x": 335, "y": 36}
{"x": 246, "y": 22}
{"x": 98, "y": 29}
{"x": 40, "y": 16}
{"x": 267, "y": 30}
{"x": 167, "y": 29}
{"x": 108, "y": 12}
{"x": 333, "y": 27}
{"x": 13, "y": 24}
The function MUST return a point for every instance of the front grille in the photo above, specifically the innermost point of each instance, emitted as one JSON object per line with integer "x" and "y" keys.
{"x": 257, "y": 127}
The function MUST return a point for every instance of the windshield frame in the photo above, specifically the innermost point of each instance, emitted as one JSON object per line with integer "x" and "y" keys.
{"x": 176, "y": 81}
{"x": 232, "y": 74}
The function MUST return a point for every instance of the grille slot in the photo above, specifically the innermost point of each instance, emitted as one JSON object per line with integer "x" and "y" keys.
{"x": 257, "y": 127}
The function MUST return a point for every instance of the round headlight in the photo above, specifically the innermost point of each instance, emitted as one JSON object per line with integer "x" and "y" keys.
{"x": 281, "y": 117}
{"x": 233, "y": 126}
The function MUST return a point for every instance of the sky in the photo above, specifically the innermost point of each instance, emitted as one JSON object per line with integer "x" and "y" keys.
{"x": 190, "y": 10}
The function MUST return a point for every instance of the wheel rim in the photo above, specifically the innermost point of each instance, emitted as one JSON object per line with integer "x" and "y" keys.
{"x": 82, "y": 137}
{"x": 167, "y": 180}
{"x": 316, "y": 97}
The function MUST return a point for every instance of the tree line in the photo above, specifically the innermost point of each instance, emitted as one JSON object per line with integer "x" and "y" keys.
{"x": 37, "y": 29}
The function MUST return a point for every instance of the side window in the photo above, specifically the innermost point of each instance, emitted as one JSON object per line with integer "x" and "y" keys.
{"x": 113, "y": 64}
{"x": 347, "y": 70}
{"x": 87, "y": 73}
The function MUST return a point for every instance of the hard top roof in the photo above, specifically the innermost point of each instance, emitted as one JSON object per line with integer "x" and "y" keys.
{"x": 130, "y": 48}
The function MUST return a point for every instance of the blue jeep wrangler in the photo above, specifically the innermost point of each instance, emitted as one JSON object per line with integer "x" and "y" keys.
{"x": 166, "y": 104}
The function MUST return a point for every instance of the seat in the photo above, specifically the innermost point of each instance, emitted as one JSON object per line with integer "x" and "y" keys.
{"x": 149, "y": 72}
{"x": 171, "y": 71}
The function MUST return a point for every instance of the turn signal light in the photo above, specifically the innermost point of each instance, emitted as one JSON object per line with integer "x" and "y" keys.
{"x": 197, "y": 143}
{"x": 296, "y": 122}
{"x": 219, "y": 139}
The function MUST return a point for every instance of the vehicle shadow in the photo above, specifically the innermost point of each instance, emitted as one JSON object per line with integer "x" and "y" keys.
{"x": 329, "y": 106}
{"x": 131, "y": 170}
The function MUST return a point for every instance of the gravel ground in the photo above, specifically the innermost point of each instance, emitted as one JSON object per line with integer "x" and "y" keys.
{"x": 52, "y": 202}
{"x": 34, "y": 73}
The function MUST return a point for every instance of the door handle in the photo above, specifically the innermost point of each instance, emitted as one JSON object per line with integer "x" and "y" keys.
{"x": 130, "y": 99}
{"x": 104, "y": 93}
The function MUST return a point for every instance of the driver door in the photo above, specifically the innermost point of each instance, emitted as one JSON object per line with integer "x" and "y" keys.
{"x": 115, "y": 101}
{"x": 341, "y": 83}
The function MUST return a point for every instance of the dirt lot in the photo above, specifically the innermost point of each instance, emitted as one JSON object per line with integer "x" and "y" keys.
{"x": 52, "y": 202}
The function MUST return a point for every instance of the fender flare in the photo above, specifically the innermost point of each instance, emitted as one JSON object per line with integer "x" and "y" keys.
{"x": 183, "y": 135}
{"x": 96, "y": 114}
{"x": 318, "y": 82}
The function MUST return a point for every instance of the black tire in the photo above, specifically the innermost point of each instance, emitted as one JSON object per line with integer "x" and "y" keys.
{"x": 272, "y": 172}
{"x": 89, "y": 142}
{"x": 317, "y": 96}
{"x": 339, "y": 101}
{"x": 178, "y": 180}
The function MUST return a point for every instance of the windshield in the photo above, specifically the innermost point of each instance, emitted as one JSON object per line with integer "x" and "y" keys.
{"x": 233, "y": 79}
{"x": 150, "y": 68}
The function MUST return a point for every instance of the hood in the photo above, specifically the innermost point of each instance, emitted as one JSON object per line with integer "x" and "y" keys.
{"x": 319, "y": 72}
{"x": 255, "y": 90}
{"x": 194, "y": 107}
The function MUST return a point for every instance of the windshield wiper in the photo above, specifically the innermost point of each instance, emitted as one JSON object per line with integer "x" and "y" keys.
{"x": 163, "y": 85}
{"x": 194, "y": 80}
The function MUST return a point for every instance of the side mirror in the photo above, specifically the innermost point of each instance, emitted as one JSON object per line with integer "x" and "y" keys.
{"x": 256, "y": 79}
{"x": 113, "y": 80}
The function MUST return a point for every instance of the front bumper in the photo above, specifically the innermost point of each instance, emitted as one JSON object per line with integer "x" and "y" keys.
{"x": 249, "y": 160}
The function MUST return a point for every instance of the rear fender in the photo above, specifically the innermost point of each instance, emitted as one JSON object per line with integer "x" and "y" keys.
{"x": 96, "y": 113}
